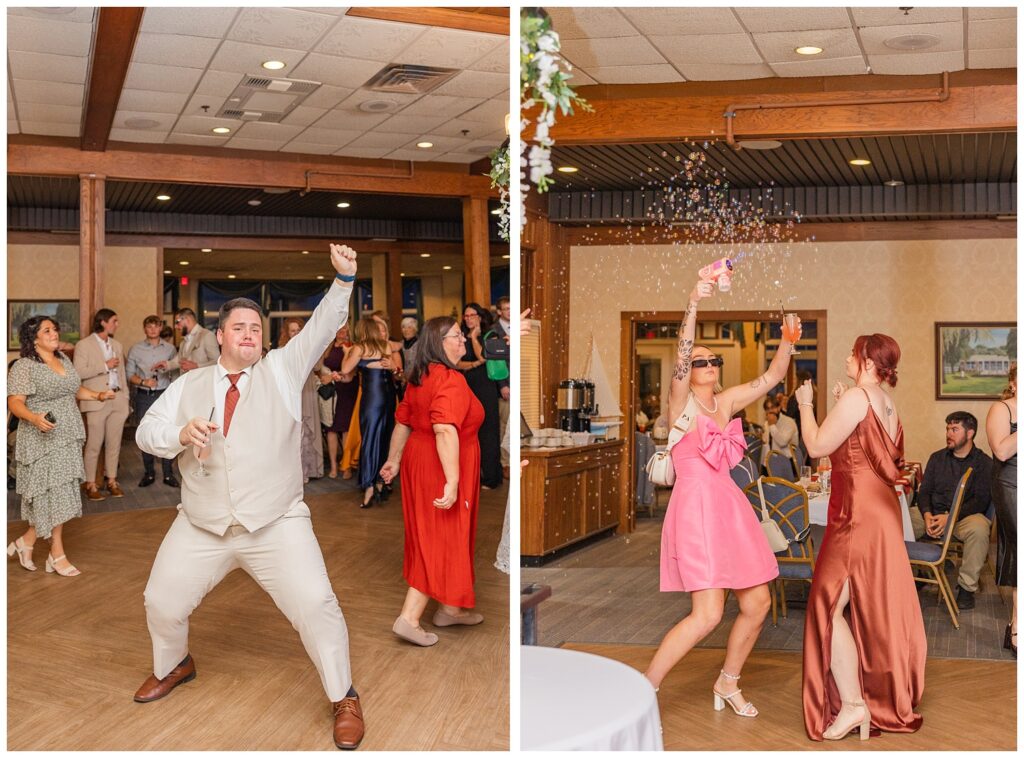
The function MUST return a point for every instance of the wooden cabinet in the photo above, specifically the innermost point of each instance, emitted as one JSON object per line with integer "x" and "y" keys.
{"x": 569, "y": 494}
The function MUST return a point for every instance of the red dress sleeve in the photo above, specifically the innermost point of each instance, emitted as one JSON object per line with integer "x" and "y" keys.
{"x": 403, "y": 415}
{"x": 450, "y": 402}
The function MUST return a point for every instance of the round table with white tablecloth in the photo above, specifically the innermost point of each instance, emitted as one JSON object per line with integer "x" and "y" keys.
{"x": 578, "y": 701}
{"x": 818, "y": 507}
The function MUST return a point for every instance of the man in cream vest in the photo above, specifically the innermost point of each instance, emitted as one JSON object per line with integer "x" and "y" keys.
{"x": 99, "y": 361}
{"x": 236, "y": 430}
{"x": 197, "y": 349}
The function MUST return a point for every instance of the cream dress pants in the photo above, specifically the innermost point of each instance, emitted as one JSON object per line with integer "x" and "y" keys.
{"x": 285, "y": 560}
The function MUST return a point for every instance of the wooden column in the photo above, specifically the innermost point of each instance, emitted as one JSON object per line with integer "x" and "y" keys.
{"x": 92, "y": 201}
{"x": 393, "y": 270}
{"x": 477, "y": 250}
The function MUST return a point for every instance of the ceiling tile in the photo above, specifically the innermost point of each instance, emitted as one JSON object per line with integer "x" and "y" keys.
{"x": 340, "y": 72}
{"x": 708, "y": 48}
{"x": 241, "y": 143}
{"x": 152, "y": 102}
{"x": 363, "y": 152}
{"x": 449, "y": 48}
{"x": 703, "y": 72}
{"x": 481, "y": 147}
{"x": 49, "y": 128}
{"x": 792, "y": 19}
{"x": 991, "y": 34}
{"x": 350, "y": 120}
{"x": 400, "y": 100}
{"x": 202, "y": 125}
{"x": 950, "y": 37}
{"x": 822, "y": 67}
{"x": 455, "y": 127}
{"x": 195, "y": 106}
{"x": 982, "y": 13}
{"x": 303, "y": 115}
{"x": 441, "y": 144}
{"x": 147, "y": 76}
{"x": 580, "y": 78}
{"x": 220, "y": 83}
{"x": 333, "y": 137}
{"x": 309, "y": 147}
{"x": 12, "y": 127}
{"x": 264, "y": 131}
{"x": 174, "y": 49}
{"x": 377, "y": 139}
{"x": 411, "y": 124}
{"x": 636, "y": 74}
{"x": 69, "y": 15}
{"x": 280, "y": 27}
{"x": 993, "y": 58}
{"x": 680, "y": 21}
{"x": 48, "y": 35}
{"x": 197, "y": 22}
{"x": 474, "y": 84}
{"x": 165, "y": 121}
{"x": 338, "y": 11}
{"x": 47, "y": 67}
{"x": 369, "y": 39}
{"x": 179, "y": 138}
{"x": 582, "y": 23}
{"x": 491, "y": 112}
{"x": 326, "y": 96}
{"x": 617, "y": 51}
{"x": 496, "y": 61}
{"x": 419, "y": 156}
{"x": 244, "y": 58}
{"x": 441, "y": 105}
{"x": 138, "y": 135}
{"x": 895, "y": 16}
{"x": 455, "y": 157}
{"x": 921, "y": 63}
{"x": 58, "y": 114}
{"x": 781, "y": 46}
{"x": 52, "y": 93}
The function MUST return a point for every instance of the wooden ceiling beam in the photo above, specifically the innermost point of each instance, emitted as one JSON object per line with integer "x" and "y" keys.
{"x": 55, "y": 156}
{"x": 448, "y": 18}
{"x": 661, "y": 116}
{"x": 116, "y": 31}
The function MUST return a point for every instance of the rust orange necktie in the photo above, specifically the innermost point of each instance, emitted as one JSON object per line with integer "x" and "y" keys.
{"x": 230, "y": 401}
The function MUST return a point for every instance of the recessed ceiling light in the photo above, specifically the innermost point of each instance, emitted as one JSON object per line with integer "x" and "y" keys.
{"x": 568, "y": 169}
{"x": 424, "y": 145}
{"x": 894, "y": 183}
{"x": 496, "y": 212}
{"x": 305, "y": 252}
{"x": 183, "y": 263}
{"x": 255, "y": 202}
{"x": 221, "y": 130}
{"x": 759, "y": 144}
{"x": 447, "y": 268}
{"x": 808, "y": 50}
{"x": 506, "y": 257}
{"x": 167, "y": 271}
{"x": 273, "y": 65}
{"x": 424, "y": 255}
{"x": 860, "y": 162}
{"x": 320, "y": 276}
{"x": 207, "y": 249}
{"x": 163, "y": 197}
{"x": 402, "y": 274}
{"x": 344, "y": 205}
{"x": 231, "y": 276}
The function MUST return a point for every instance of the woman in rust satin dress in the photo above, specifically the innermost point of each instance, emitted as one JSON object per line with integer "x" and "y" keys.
{"x": 864, "y": 642}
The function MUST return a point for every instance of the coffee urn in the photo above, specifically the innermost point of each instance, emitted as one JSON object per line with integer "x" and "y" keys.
{"x": 570, "y": 405}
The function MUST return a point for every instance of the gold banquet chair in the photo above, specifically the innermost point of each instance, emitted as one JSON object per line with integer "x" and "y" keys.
{"x": 931, "y": 556}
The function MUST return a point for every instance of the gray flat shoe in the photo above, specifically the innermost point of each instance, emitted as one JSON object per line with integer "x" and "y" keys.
{"x": 469, "y": 619}
{"x": 413, "y": 634}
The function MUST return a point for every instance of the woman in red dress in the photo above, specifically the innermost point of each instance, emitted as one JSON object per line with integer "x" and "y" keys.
{"x": 436, "y": 450}
{"x": 864, "y": 641}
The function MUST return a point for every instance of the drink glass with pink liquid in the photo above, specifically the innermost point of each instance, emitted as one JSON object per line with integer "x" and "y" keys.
{"x": 791, "y": 330}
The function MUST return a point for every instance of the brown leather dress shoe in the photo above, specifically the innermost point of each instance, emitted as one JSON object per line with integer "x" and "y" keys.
{"x": 114, "y": 488}
{"x": 154, "y": 689}
{"x": 348, "y": 723}
{"x": 92, "y": 493}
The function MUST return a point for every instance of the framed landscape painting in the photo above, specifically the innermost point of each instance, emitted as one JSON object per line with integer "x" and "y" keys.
{"x": 972, "y": 359}
{"x": 64, "y": 312}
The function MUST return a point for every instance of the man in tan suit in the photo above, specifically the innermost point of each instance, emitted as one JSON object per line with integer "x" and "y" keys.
{"x": 99, "y": 361}
{"x": 197, "y": 349}
{"x": 241, "y": 496}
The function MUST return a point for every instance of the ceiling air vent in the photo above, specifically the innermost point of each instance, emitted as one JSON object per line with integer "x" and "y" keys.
{"x": 266, "y": 98}
{"x": 409, "y": 78}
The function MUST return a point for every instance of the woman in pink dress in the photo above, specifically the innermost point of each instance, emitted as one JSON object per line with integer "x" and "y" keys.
{"x": 712, "y": 540}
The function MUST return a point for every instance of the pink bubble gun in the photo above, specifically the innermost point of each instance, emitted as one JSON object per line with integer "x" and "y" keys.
{"x": 720, "y": 271}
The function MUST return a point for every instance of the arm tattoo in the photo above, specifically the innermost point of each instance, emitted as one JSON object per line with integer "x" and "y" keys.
{"x": 755, "y": 384}
{"x": 685, "y": 348}
{"x": 888, "y": 410}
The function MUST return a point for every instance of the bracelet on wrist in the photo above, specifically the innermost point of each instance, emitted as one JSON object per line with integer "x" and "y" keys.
{"x": 809, "y": 405}
{"x": 345, "y": 277}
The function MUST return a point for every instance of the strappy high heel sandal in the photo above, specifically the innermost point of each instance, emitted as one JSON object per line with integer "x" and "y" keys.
{"x": 51, "y": 566}
{"x": 25, "y": 554}
{"x": 864, "y": 724}
{"x": 747, "y": 711}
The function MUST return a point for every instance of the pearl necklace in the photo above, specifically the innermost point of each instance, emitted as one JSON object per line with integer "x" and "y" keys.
{"x": 712, "y": 411}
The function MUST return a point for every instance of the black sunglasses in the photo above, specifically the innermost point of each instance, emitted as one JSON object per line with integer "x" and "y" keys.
{"x": 704, "y": 362}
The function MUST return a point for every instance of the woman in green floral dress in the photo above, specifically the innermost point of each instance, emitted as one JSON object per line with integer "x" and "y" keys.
{"x": 48, "y": 452}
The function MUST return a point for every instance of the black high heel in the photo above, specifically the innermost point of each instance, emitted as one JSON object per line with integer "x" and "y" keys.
{"x": 1008, "y": 641}
{"x": 374, "y": 499}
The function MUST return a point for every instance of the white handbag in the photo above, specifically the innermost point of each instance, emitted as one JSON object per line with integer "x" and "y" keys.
{"x": 777, "y": 541}
{"x": 659, "y": 468}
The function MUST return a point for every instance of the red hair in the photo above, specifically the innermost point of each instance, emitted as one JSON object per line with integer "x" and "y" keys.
{"x": 883, "y": 351}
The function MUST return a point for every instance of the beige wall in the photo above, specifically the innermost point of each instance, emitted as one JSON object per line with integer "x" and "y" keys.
{"x": 442, "y": 294}
{"x": 899, "y": 288}
{"x": 130, "y": 276}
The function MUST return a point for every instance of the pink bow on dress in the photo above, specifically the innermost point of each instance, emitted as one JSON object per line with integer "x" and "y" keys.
{"x": 718, "y": 447}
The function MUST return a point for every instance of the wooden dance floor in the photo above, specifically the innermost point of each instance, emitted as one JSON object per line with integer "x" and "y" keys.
{"x": 967, "y": 705}
{"x": 78, "y": 648}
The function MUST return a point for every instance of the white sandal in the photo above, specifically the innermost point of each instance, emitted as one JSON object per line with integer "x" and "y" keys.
{"x": 51, "y": 566}
{"x": 24, "y": 553}
{"x": 747, "y": 711}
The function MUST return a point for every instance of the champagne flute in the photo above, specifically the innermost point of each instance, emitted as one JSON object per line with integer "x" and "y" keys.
{"x": 790, "y": 328}
{"x": 202, "y": 453}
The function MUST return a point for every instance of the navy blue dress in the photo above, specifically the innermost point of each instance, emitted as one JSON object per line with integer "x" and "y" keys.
{"x": 376, "y": 420}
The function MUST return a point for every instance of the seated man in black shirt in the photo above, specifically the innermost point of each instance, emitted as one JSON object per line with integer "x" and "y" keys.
{"x": 935, "y": 499}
